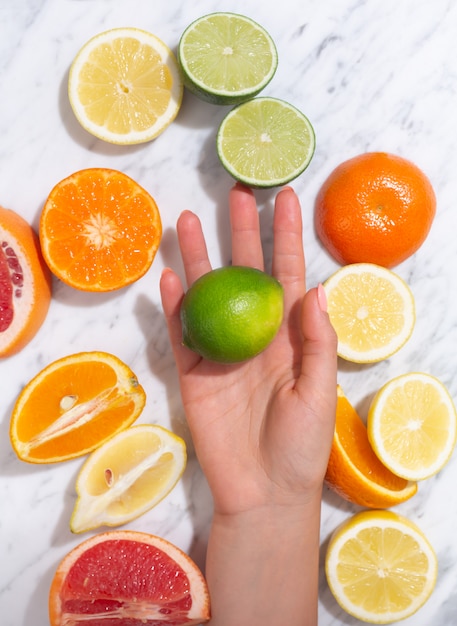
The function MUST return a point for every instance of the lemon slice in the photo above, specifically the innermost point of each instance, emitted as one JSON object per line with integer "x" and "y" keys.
{"x": 226, "y": 58}
{"x": 127, "y": 476}
{"x": 125, "y": 86}
{"x": 265, "y": 142}
{"x": 372, "y": 311}
{"x": 380, "y": 567}
{"x": 412, "y": 425}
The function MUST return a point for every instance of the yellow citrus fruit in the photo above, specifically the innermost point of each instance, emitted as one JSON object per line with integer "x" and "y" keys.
{"x": 380, "y": 567}
{"x": 354, "y": 471}
{"x": 412, "y": 425}
{"x": 125, "y": 86}
{"x": 232, "y": 313}
{"x": 73, "y": 405}
{"x": 127, "y": 476}
{"x": 226, "y": 58}
{"x": 372, "y": 311}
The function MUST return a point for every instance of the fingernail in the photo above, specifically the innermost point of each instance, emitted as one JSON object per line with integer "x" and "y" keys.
{"x": 322, "y": 298}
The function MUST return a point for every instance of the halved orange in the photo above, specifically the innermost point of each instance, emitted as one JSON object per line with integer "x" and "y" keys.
{"x": 128, "y": 577}
{"x": 25, "y": 283}
{"x": 354, "y": 471}
{"x": 99, "y": 230}
{"x": 73, "y": 406}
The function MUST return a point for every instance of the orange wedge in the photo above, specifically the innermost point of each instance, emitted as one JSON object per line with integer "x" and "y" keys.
{"x": 25, "y": 283}
{"x": 73, "y": 406}
{"x": 354, "y": 471}
{"x": 99, "y": 230}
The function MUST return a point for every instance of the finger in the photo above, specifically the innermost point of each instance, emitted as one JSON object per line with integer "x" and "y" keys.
{"x": 288, "y": 255}
{"x": 244, "y": 220}
{"x": 318, "y": 377}
{"x": 172, "y": 293}
{"x": 193, "y": 246}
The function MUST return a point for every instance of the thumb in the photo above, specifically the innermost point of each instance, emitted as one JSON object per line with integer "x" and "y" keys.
{"x": 318, "y": 378}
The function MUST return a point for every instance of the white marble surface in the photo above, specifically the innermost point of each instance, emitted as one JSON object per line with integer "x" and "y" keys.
{"x": 371, "y": 75}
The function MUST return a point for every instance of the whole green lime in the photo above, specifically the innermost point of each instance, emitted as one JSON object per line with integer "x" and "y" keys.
{"x": 232, "y": 313}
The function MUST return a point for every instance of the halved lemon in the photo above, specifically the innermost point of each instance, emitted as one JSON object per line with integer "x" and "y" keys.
{"x": 372, "y": 311}
{"x": 412, "y": 425}
{"x": 125, "y": 86}
{"x": 127, "y": 476}
{"x": 380, "y": 567}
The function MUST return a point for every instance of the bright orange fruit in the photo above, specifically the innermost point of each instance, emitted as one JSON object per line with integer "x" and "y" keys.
{"x": 99, "y": 230}
{"x": 354, "y": 471}
{"x": 128, "y": 577}
{"x": 375, "y": 208}
{"x": 25, "y": 283}
{"x": 73, "y": 406}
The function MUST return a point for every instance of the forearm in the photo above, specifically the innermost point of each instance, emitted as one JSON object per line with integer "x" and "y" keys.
{"x": 262, "y": 567}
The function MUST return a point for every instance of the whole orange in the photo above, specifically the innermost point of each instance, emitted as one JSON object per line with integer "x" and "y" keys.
{"x": 374, "y": 208}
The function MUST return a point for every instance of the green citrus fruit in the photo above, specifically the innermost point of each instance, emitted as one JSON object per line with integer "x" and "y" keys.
{"x": 232, "y": 313}
{"x": 226, "y": 58}
{"x": 265, "y": 142}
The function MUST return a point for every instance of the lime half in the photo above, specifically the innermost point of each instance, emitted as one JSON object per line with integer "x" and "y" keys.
{"x": 265, "y": 142}
{"x": 226, "y": 58}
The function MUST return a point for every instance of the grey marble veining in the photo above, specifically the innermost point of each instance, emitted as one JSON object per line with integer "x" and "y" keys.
{"x": 370, "y": 75}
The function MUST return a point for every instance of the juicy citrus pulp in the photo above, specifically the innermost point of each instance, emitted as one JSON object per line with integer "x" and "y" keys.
{"x": 226, "y": 58}
{"x": 232, "y": 313}
{"x": 126, "y": 476}
{"x": 412, "y": 425}
{"x": 73, "y": 405}
{"x": 25, "y": 283}
{"x": 375, "y": 208}
{"x": 128, "y": 577}
{"x": 354, "y": 471}
{"x": 372, "y": 311}
{"x": 265, "y": 142}
{"x": 125, "y": 86}
{"x": 380, "y": 567}
{"x": 99, "y": 230}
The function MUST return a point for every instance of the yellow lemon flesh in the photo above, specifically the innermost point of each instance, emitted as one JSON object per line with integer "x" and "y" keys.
{"x": 127, "y": 476}
{"x": 380, "y": 567}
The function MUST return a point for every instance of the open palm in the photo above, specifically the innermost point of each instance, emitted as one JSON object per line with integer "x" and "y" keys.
{"x": 262, "y": 429}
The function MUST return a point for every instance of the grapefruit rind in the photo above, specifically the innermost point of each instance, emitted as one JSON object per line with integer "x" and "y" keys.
{"x": 199, "y": 611}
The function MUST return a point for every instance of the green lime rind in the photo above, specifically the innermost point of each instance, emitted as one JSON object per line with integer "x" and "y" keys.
{"x": 231, "y": 314}
{"x": 226, "y": 58}
{"x": 265, "y": 142}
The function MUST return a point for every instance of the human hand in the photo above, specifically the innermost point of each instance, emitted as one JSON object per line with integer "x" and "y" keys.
{"x": 262, "y": 429}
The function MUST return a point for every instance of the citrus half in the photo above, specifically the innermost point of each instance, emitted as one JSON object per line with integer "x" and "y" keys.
{"x": 126, "y": 476}
{"x": 73, "y": 405}
{"x": 125, "y": 86}
{"x": 99, "y": 230}
{"x": 354, "y": 471}
{"x": 380, "y": 567}
{"x": 265, "y": 142}
{"x": 25, "y": 283}
{"x": 128, "y": 577}
{"x": 372, "y": 311}
{"x": 226, "y": 58}
{"x": 412, "y": 425}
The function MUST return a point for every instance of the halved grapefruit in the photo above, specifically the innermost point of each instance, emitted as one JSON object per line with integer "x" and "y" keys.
{"x": 128, "y": 577}
{"x": 25, "y": 283}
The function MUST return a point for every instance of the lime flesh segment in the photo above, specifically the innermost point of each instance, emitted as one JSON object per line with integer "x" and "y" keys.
{"x": 265, "y": 142}
{"x": 226, "y": 58}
